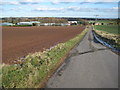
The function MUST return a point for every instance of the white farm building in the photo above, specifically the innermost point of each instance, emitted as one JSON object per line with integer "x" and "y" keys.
{"x": 28, "y": 23}
{"x": 24, "y": 23}
{"x": 73, "y": 22}
{"x": 6, "y": 24}
{"x": 54, "y": 24}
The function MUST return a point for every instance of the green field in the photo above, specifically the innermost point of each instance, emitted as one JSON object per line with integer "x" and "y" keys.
{"x": 104, "y": 21}
{"x": 114, "y": 29}
{"x": 107, "y": 21}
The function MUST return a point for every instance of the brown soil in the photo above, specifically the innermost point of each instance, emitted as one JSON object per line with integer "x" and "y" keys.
{"x": 20, "y": 41}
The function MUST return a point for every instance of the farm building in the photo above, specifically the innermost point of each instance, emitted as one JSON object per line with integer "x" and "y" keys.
{"x": 54, "y": 24}
{"x": 24, "y": 23}
{"x": 72, "y": 22}
{"x": 46, "y": 24}
{"x": 34, "y": 23}
{"x": 6, "y": 24}
{"x": 65, "y": 24}
{"x": 49, "y": 24}
{"x": 98, "y": 23}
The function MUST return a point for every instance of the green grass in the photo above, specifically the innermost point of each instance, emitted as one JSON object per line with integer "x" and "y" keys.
{"x": 36, "y": 67}
{"x": 108, "y": 28}
{"x": 106, "y": 21}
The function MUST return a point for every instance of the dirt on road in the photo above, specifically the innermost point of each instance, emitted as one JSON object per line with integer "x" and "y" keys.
{"x": 20, "y": 41}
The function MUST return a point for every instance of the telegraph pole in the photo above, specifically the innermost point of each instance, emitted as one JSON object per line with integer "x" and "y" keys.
{"x": 96, "y": 18}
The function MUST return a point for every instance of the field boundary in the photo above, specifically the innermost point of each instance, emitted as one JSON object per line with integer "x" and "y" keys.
{"x": 38, "y": 67}
{"x": 110, "y": 36}
{"x": 105, "y": 43}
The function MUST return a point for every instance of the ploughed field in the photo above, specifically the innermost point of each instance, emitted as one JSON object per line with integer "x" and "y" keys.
{"x": 20, "y": 41}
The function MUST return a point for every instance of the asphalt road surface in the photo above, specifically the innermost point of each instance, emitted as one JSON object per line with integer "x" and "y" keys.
{"x": 90, "y": 65}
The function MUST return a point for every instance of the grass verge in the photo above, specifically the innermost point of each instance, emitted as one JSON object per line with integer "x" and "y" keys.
{"x": 103, "y": 31}
{"x": 37, "y": 67}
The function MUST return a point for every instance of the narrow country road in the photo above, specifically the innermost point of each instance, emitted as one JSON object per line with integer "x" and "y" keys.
{"x": 90, "y": 65}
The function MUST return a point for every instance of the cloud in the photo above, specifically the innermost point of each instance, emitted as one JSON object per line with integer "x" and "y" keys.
{"x": 85, "y": 9}
{"x": 81, "y": 9}
{"x": 62, "y": 1}
{"x": 9, "y": 3}
{"x": 99, "y": 2}
{"x": 30, "y": 1}
{"x": 48, "y": 9}
{"x": 2, "y": 9}
{"x": 89, "y": 1}
{"x": 16, "y": 9}
{"x": 83, "y": 2}
{"x": 14, "y": 3}
{"x": 70, "y": 1}
{"x": 115, "y": 8}
{"x": 11, "y": 9}
{"x": 105, "y": 2}
{"x": 76, "y": 9}
{"x": 21, "y": 2}
{"x": 73, "y": 8}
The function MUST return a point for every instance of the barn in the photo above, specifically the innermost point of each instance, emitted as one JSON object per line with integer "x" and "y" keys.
{"x": 6, "y": 24}
{"x": 24, "y": 23}
{"x": 34, "y": 23}
{"x": 72, "y": 22}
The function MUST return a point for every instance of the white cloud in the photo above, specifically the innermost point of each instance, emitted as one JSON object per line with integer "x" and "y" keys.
{"x": 48, "y": 9}
{"x": 9, "y": 2}
{"x": 2, "y": 9}
{"x": 20, "y": 2}
{"x": 77, "y": 9}
{"x": 116, "y": 8}
{"x": 89, "y": 0}
{"x": 60, "y": 1}
{"x": 64, "y": 0}
{"x": 32, "y": 1}
{"x": 111, "y": 0}
{"x": 74, "y": 8}
{"x": 16, "y": 9}
{"x": 70, "y": 1}
{"x": 2, "y": 2}
{"x": 14, "y": 3}
{"x": 85, "y": 9}
{"x": 100, "y": 0}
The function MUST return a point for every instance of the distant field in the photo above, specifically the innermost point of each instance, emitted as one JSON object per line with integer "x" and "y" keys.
{"x": 108, "y": 28}
{"x": 106, "y": 21}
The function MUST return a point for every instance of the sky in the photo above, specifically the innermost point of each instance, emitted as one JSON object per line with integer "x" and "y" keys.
{"x": 59, "y": 8}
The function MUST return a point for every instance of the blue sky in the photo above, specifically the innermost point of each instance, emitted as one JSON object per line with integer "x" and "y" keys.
{"x": 59, "y": 8}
